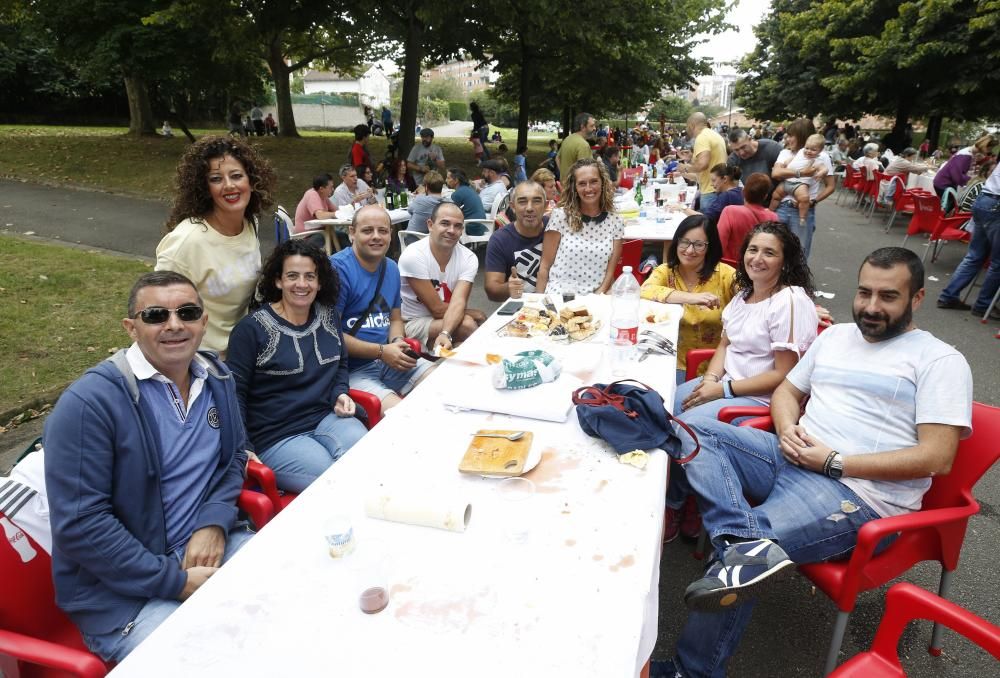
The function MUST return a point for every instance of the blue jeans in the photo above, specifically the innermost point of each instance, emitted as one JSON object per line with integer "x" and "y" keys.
{"x": 788, "y": 214}
{"x": 116, "y": 644}
{"x": 985, "y": 244}
{"x": 705, "y": 201}
{"x": 300, "y": 459}
{"x": 812, "y": 517}
{"x": 678, "y": 488}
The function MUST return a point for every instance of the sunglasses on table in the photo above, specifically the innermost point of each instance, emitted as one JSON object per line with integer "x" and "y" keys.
{"x": 157, "y": 315}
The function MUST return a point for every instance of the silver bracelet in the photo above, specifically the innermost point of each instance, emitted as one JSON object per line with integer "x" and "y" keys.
{"x": 447, "y": 334}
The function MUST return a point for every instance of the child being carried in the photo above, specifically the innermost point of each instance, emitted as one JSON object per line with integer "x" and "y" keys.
{"x": 800, "y": 187}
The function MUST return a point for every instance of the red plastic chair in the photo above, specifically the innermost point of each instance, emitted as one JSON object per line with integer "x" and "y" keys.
{"x": 873, "y": 190}
{"x": 902, "y": 200}
{"x": 33, "y": 630}
{"x": 631, "y": 254}
{"x": 851, "y": 179}
{"x": 948, "y": 229}
{"x": 904, "y": 603}
{"x": 929, "y": 219}
{"x": 935, "y": 532}
{"x": 38, "y": 635}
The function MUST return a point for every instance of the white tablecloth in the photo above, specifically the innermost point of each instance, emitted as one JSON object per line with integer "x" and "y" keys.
{"x": 398, "y": 216}
{"x": 924, "y": 181}
{"x": 578, "y": 598}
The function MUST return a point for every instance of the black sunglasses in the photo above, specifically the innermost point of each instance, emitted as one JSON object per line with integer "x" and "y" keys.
{"x": 157, "y": 315}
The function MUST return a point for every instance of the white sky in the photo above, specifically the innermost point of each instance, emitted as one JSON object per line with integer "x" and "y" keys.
{"x": 732, "y": 45}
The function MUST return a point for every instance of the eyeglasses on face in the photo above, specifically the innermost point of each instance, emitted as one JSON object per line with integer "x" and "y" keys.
{"x": 157, "y": 315}
{"x": 697, "y": 245}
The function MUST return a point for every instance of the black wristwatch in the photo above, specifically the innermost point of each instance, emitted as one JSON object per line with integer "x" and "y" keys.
{"x": 835, "y": 465}
{"x": 812, "y": 203}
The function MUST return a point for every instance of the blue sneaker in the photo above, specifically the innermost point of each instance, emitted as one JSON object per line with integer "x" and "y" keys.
{"x": 745, "y": 570}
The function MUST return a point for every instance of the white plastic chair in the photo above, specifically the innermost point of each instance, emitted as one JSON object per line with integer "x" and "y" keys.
{"x": 407, "y": 238}
{"x": 499, "y": 205}
{"x": 284, "y": 229}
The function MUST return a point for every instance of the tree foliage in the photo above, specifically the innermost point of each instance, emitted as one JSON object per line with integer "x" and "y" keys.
{"x": 593, "y": 55}
{"x": 672, "y": 108}
{"x": 900, "y": 58}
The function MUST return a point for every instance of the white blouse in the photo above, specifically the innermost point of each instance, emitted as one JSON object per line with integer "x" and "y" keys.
{"x": 582, "y": 258}
{"x": 786, "y": 321}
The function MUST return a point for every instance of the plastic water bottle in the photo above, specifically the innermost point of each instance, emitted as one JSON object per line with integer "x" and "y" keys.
{"x": 18, "y": 540}
{"x": 625, "y": 307}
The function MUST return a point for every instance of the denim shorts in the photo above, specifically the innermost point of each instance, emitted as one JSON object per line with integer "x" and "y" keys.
{"x": 378, "y": 378}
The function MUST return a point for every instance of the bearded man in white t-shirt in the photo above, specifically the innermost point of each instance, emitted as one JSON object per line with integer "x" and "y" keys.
{"x": 888, "y": 404}
{"x": 437, "y": 276}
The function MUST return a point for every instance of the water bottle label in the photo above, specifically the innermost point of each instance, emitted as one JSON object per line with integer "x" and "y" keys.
{"x": 630, "y": 333}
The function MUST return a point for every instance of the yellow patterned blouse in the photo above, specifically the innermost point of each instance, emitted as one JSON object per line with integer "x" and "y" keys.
{"x": 700, "y": 327}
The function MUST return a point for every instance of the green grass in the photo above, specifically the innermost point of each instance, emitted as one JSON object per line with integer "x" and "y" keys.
{"x": 60, "y": 313}
{"x": 106, "y": 159}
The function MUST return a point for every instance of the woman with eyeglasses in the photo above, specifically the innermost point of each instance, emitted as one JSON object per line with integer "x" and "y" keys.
{"x": 223, "y": 185}
{"x": 289, "y": 360}
{"x": 695, "y": 277}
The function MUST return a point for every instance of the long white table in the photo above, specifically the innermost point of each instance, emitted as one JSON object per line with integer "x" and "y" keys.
{"x": 578, "y": 598}
{"x": 924, "y": 181}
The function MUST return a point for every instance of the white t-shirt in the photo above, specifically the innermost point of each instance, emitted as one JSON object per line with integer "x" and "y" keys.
{"x": 756, "y": 331}
{"x": 869, "y": 397}
{"x": 582, "y": 258}
{"x": 342, "y": 195}
{"x": 800, "y": 161}
{"x": 418, "y": 262}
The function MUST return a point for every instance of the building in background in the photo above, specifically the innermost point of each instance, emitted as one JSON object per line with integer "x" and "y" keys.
{"x": 467, "y": 73}
{"x": 371, "y": 85}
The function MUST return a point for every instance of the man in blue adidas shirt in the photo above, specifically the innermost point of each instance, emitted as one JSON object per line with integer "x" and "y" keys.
{"x": 380, "y": 361}
{"x": 144, "y": 462}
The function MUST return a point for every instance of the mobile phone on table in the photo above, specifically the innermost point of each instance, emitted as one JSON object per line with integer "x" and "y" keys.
{"x": 510, "y": 308}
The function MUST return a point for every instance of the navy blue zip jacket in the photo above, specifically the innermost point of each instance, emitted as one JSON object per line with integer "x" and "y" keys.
{"x": 102, "y": 472}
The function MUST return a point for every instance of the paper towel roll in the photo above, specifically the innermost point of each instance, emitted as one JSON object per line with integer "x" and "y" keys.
{"x": 420, "y": 509}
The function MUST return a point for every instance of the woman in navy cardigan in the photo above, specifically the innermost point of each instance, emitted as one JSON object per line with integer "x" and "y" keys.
{"x": 290, "y": 364}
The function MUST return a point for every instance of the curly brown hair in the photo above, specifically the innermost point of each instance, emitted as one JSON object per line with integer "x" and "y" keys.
{"x": 192, "y": 199}
{"x": 794, "y": 271}
{"x": 570, "y": 199}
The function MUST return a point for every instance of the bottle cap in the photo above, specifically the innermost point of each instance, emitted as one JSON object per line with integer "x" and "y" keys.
{"x": 626, "y": 269}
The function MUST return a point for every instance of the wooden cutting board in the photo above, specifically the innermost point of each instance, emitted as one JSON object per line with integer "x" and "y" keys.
{"x": 496, "y": 456}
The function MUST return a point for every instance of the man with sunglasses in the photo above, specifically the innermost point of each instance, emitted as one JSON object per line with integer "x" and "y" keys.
{"x": 144, "y": 463}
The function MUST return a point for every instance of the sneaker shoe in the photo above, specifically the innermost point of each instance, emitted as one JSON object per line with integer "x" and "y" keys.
{"x": 954, "y": 304}
{"x": 671, "y": 524}
{"x": 690, "y": 519}
{"x": 647, "y": 266}
{"x": 745, "y": 570}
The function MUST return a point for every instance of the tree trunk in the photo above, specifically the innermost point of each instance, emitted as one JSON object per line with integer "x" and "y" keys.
{"x": 934, "y": 130}
{"x": 140, "y": 113}
{"x": 527, "y": 71}
{"x": 566, "y": 118}
{"x": 895, "y": 140}
{"x": 411, "y": 83}
{"x": 282, "y": 91}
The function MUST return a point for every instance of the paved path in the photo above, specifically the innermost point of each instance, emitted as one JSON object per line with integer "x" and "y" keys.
{"x": 790, "y": 630}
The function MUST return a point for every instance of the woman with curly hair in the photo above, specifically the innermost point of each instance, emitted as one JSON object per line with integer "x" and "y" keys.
{"x": 583, "y": 241}
{"x": 289, "y": 360}
{"x": 766, "y": 327}
{"x": 222, "y": 186}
